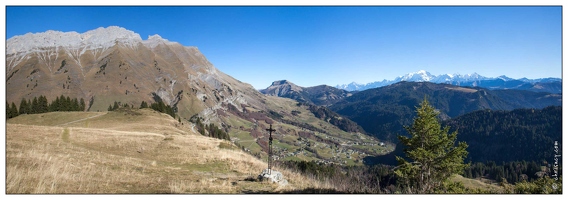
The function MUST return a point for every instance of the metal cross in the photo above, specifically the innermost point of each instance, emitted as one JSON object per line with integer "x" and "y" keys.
{"x": 270, "y": 130}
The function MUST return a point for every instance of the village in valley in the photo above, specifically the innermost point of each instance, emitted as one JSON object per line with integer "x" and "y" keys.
{"x": 321, "y": 148}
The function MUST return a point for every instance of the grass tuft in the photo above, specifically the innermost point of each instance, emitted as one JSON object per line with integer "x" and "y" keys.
{"x": 65, "y": 135}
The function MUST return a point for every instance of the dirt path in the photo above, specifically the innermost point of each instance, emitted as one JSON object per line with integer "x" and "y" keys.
{"x": 81, "y": 119}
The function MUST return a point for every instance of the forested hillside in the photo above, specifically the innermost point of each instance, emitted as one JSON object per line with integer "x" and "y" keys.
{"x": 521, "y": 134}
{"x": 502, "y": 136}
{"x": 384, "y": 111}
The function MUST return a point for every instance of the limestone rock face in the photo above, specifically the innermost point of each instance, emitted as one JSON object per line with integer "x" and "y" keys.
{"x": 114, "y": 64}
{"x": 272, "y": 176}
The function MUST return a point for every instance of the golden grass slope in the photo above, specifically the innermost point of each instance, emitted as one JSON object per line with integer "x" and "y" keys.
{"x": 129, "y": 151}
{"x": 478, "y": 184}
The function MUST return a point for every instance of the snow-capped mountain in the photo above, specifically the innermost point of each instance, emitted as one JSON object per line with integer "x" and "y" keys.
{"x": 552, "y": 85}
{"x": 418, "y": 76}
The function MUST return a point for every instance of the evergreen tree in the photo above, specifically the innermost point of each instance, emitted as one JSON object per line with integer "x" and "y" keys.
{"x": 61, "y": 104}
{"x": 43, "y": 104}
{"x": 10, "y": 110}
{"x": 24, "y": 107}
{"x": 54, "y": 105}
{"x": 115, "y": 106}
{"x": 74, "y": 105}
{"x": 68, "y": 104}
{"x": 544, "y": 185}
{"x": 434, "y": 158}
{"x": 35, "y": 106}
{"x": 82, "y": 105}
{"x": 14, "y": 110}
{"x": 144, "y": 105}
{"x": 9, "y": 113}
{"x": 29, "y": 107}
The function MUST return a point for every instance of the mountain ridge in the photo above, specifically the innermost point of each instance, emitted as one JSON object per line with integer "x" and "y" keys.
{"x": 474, "y": 79}
{"x": 384, "y": 111}
{"x": 321, "y": 95}
{"x": 505, "y": 132}
{"x": 117, "y": 66}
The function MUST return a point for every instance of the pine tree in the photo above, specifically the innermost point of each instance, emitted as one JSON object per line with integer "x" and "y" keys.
{"x": 43, "y": 104}
{"x": 115, "y": 106}
{"x": 29, "y": 107}
{"x": 9, "y": 113}
{"x": 68, "y": 104}
{"x": 143, "y": 105}
{"x": 35, "y": 106}
{"x": 14, "y": 110}
{"x": 24, "y": 107}
{"x": 434, "y": 158}
{"x": 61, "y": 104}
{"x": 53, "y": 105}
{"x": 74, "y": 105}
{"x": 82, "y": 105}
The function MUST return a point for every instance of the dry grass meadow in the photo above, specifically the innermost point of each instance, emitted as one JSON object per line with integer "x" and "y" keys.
{"x": 127, "y": 152}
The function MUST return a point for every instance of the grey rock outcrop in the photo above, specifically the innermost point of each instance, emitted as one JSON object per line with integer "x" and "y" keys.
{"x": 272, "y": 176}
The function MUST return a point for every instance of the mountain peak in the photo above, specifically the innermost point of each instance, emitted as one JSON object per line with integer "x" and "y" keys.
{"x": 505, "y": 78}
{"x": 155, "y": 37}
{"x": 419, "y": 76}
{"x": 422, "y": 72}
{"x": 155, "y": 40}
{"x": 281, "y": 88}
{"x": 321, "y": 95}
{"x": 473, "y": 79}
{"x": 282, "y": 82}
{"x": 97, "y": 38}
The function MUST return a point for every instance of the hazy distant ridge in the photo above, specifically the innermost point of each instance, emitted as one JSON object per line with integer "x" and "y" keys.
{"x": 552, "y": 85}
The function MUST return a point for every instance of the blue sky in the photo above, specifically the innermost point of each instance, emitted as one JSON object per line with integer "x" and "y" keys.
{"x": 334, "y": 45}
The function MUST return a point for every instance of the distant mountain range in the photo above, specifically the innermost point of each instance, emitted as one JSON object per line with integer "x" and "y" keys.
{"x": 551, "y": 85}
{"x": 384, "y": 111}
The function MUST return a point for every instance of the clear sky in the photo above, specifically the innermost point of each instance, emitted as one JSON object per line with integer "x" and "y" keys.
{"x": 334, "y": 45}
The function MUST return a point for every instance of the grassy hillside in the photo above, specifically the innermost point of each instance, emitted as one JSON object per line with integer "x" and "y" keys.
{"x": 299, "y": 135}
{"x": 482, "y": 184}
{"x": 128, "y": 151}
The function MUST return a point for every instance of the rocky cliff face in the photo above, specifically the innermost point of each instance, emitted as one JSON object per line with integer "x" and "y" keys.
{"x": 114, "y": 64}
